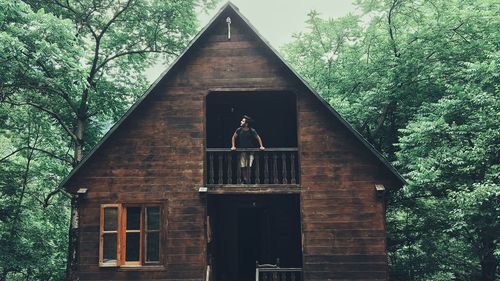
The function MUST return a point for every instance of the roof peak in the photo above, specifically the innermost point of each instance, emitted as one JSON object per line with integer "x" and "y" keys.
{"x": 226, "y": 6}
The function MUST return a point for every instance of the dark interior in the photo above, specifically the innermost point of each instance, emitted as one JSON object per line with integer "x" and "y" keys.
{"x": 274, "y": 115}
{"x": 246, "y": 229}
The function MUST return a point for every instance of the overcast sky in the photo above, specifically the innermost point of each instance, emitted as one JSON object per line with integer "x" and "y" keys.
{"x": 276, "y": 20}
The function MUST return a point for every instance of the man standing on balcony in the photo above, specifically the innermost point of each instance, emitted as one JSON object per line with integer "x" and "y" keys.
{"x": 247, "y": 138}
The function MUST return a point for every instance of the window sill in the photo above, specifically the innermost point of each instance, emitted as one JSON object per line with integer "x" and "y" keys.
{"x": 141, "y": 268}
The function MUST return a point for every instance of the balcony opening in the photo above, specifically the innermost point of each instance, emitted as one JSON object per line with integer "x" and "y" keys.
{"x": 246, "y": 232}
{"x": 274, "y": 117}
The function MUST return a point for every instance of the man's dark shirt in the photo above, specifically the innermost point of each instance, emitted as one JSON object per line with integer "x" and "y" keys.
{"x": 246, "y": 138}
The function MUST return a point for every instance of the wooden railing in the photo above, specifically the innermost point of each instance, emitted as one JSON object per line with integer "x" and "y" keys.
{"x": 273, "y": 166}
{"x": 276, "y": 273}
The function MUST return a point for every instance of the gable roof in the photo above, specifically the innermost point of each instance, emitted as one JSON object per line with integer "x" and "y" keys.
{"x": 232, "y": 8}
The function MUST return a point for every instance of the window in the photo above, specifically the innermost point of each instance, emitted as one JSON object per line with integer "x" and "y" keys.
{"x": 129, "y": 235}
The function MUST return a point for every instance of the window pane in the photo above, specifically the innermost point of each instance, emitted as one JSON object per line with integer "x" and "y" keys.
{"x": 153, "y": 247}
{"x": 133, "y": 218}
{"x": 110, "y": 219}
{"x": 109, "y": 247}
{"x": 153, "y": 218}
{"x": 133, "y": 245}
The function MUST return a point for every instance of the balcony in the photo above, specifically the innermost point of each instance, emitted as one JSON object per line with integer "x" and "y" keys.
{"x": 271, "y": 167}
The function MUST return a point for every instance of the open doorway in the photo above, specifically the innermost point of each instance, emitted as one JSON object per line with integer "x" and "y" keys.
{"x": 246, "y": 229}
{"x": 274, "y": 114}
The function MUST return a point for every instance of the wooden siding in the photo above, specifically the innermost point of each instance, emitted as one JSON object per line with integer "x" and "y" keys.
{"x": 343, "y": 223}
{"x": 157, "y": 155}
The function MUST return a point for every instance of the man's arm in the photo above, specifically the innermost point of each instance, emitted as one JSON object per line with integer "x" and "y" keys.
{"x": 233, "y": 141}
{"x": 261, "y": 146}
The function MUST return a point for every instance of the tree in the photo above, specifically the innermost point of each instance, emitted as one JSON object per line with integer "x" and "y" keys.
{"x": 394, "y": 71}
{"x": 451, "y": 154}
{"x": 79, "y": 65}
{"x": 379, "y": 67}
{"x": 32, "y": 155}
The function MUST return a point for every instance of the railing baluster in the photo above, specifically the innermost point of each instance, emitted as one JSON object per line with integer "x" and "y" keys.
{"x": 238, "y": 168}
{"x": 266, "y": 168}
{"x": 220, "y": 168}
{"x": 283, "y": 168}
{"x": 275, "y": 168}
{"x": 257, "y": 168}
{"x": 229, "y": 167}
{"x": 292, "y": 275}
{"x": 292, "y": 168}
{"x": 211, "y": 169}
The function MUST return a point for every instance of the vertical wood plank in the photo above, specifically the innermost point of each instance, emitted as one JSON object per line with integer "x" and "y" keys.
{"x": 238, "y": 168}
{"x": 266, "y": 168}
{"x": 229, "y": 168}
{"x": 257, "y": 168}
{"x": 211, "y": 169}
{"x": 283, "y": 168}
{"x": 275, "y": 168}
{"x": 292, "y": 168}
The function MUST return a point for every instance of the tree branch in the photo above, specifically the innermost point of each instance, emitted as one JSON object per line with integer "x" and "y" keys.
{"x": 52, "y": 193}
{"x": 51, "y": 113}
{"x": 95, "y": 60}
{"x": 101, "y": 34}
{"x": 51, "y": 154}
{"x": 133, "y": 52}
{"x": 12, "y": 153}
{"x": 391, "y": 28}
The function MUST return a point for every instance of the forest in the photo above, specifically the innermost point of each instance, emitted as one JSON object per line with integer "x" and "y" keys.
{"x": 419, "y": 79}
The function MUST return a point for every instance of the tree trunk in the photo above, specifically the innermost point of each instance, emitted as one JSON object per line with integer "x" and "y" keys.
{"x": 489, "y": 265}
{"x": 74, "y": 229}
{"x": 80, "y": 128}
{"x": 74, "y": 237}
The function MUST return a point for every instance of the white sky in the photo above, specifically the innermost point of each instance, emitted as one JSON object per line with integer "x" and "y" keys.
{"x": 276, "y": 20}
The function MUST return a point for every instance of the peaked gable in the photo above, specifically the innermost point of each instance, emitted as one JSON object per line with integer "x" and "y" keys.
{"x": 229, "y": 10}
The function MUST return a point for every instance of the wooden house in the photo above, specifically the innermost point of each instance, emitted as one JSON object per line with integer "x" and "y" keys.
{"x": 162, "y": 196}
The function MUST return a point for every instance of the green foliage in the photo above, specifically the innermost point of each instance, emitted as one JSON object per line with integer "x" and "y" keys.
{"x": 451, "y": 154}
{"x": 420, "y": 80}
{"x": 68, "y": 69}
{"x": 33, "y": 239}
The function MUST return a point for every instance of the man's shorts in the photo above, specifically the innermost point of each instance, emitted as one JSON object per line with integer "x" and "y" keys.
{"x": 246, "y": 159}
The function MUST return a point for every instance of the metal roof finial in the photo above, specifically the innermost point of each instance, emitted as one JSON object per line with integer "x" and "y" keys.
{"x": 228, "y": 20}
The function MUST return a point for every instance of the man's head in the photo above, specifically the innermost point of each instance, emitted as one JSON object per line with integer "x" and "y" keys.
{"x": 246, "y": 121}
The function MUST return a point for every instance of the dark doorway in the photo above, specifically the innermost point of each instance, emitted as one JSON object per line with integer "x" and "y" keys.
{"x": 253, "y": 228}
{"x": 250, "y": 241}
{"x": 274, "y": 115}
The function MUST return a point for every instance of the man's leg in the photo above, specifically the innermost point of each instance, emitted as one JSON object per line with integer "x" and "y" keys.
{"x": 243, "y": 165}
{"x": 249, "y": 169}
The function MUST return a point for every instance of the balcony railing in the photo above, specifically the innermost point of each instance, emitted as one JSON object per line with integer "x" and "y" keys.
{"x": 273, "y": 166}
{"x": 278, "y": 274}
{"x": 273, "y": 272}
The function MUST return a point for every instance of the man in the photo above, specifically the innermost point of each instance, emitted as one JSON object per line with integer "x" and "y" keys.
{"x": 247, "y": 137}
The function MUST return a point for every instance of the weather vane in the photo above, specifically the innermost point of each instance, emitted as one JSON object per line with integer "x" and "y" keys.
{"x": 228, "y": 20}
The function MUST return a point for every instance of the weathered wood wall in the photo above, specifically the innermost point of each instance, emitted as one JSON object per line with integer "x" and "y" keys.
{"x": 343, "y": 221}
{"x": 157, "y": 155}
